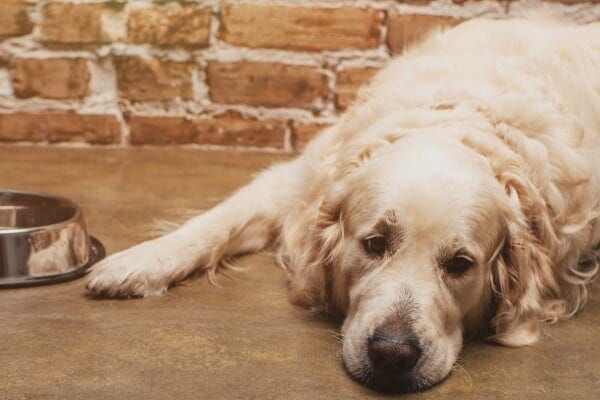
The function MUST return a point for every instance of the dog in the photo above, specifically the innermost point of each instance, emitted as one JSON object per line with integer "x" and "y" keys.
{"x": 458, "y": 197}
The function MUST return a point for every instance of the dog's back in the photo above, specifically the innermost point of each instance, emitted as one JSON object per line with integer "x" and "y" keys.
{"x": 555, "y": 61}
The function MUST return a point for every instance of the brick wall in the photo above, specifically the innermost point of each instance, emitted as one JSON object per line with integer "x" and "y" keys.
{"x": 253, "y": 74}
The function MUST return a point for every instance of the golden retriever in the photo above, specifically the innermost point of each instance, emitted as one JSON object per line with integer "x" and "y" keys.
{"x": 459, "y": 196}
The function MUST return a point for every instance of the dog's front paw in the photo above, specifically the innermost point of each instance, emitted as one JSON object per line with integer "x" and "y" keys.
{"x": 135, "y": 272}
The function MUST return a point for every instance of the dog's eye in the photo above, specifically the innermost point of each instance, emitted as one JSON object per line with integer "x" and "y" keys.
{"x": 458, "y": 265}
{"x": 375, "y": 245}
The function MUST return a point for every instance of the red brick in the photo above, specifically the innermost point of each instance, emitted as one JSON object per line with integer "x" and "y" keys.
{"x": 14, "y": 20}
{"x": 300, "y": 28}
{"x": 96, "y": 129}
{"x": 51, "y": 78}
{"x": 407, "y": 29}
{"x": 69, "y": 23}
{"x": 21, "y": 127}
{"x": 170, "y": 24}
{"x": 160, "y": 130}
{"x": 229, "y": 129}
{"x": 153, "y": 79}
{"x": 302, "y": 133}
{"x": 233, "y": 129}
{"x": 59, "y": 127}
{"x": 348, "y": 82}
{"x": 266, "y": 84}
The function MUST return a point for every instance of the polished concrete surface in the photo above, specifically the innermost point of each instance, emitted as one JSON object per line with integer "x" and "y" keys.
{"x": 239, "y": 341}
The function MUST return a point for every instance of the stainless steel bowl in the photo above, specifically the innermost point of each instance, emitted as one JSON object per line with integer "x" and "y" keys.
{"x": 43, "y": 240}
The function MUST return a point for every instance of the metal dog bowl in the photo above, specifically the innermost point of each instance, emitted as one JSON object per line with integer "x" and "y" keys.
{"x": 43, "y": 240}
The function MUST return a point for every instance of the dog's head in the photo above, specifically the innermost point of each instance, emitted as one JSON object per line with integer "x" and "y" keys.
{"x": 418, "y": 244}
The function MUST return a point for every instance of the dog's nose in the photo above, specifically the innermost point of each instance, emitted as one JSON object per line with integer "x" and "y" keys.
{"x": 392, "y": 355}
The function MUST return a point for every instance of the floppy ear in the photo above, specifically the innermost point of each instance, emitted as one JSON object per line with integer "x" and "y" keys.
{"x": 314, "y": 242}
{"x": 523, "y": 285}
{"x": 314, "y": 282}
{"x": 523, "y": 281}
{"x": 522, "y": 276}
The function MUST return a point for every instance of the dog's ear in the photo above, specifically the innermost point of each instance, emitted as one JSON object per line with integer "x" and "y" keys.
{"x": 523, "y": 280}
{"x": 315, "y": 282}
{"x": 522, "y": 276}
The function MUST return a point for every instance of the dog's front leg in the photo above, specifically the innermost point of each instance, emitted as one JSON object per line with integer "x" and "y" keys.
{"x": 244, "y": 223}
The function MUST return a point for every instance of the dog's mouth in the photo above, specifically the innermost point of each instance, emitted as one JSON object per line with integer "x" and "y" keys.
{"x": 389, "y": 382}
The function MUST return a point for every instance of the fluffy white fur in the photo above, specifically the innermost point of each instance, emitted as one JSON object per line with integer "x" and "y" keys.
{"x": 482, "y": 140}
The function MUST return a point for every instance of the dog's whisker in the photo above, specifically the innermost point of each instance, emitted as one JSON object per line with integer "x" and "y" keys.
{"x": 337, "y": 335}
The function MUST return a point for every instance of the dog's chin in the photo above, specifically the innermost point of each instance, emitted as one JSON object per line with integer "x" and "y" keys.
{"x": 386, "y": 383}
{"x": 405, "y": 383}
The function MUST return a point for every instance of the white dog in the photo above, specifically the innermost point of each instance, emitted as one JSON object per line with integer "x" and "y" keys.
{"x": 459, "y": 196}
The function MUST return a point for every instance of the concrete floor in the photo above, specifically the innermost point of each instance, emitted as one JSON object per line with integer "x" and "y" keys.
{"x": 240, "y": 341}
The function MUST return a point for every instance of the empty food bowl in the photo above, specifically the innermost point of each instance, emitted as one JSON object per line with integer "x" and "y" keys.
{"x": 43, "y": 240}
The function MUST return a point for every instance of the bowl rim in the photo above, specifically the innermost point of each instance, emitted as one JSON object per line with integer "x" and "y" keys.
{"x": 74, "y": 218}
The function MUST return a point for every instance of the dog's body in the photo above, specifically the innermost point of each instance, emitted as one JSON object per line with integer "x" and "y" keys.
{"x": 460, "y": 192}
